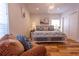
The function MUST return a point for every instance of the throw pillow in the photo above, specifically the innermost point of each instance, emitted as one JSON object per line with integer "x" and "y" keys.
{"x": 25, "y": 41}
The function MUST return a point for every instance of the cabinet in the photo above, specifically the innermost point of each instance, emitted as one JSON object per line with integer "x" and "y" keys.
{"x": 71, "y": 25}
{"x": 74, "y": 17}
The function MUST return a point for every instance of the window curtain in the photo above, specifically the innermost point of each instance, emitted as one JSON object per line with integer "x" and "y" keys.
{"x": 4, "y": 28}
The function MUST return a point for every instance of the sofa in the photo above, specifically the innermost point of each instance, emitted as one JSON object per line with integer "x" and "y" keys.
{"x": 10, "y": 46}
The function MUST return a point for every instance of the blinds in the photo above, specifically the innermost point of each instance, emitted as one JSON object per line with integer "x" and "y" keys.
{"x": 3, "y": 19}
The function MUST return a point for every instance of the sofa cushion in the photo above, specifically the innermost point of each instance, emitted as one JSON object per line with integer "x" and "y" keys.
{"x": 25, "y": 41}
{"x": 10, "y": 47}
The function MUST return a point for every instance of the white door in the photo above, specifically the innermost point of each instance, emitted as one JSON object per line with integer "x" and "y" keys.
{"x": 73, "y": 25}
{"x": 66, "y": 25}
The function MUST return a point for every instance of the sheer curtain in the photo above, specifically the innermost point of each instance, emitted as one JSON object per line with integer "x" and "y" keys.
{"x": 56, "y": 23}
{"x": 4, "y": 28}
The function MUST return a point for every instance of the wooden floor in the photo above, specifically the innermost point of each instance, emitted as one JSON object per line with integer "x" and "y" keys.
{"x": 69, "y": 48}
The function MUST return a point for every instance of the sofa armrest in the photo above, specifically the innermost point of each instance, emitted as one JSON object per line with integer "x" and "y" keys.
{"x": 35, "y": 51}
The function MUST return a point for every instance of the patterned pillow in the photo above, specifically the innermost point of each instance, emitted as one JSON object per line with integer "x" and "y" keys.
{"x": 39, "y": 28}
{"x": 25, "y": 41}
{"x": 51, "y": 28}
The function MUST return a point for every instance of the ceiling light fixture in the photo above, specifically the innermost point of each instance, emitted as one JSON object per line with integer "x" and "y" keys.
{"x": 37, "y": 8}
{"x": 58, "y": 8}
{"x": 51, "y": 6}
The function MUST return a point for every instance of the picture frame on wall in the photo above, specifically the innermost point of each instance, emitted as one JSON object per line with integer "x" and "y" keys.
{"x": 44, "y": 21}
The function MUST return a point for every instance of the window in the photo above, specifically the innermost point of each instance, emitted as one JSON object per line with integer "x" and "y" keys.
{"x": 3, "y": 19}
{"x": 55, "y": 23}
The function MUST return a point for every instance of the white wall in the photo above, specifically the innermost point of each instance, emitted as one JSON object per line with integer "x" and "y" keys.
{"x": 35, "y": 18}
{"x": 18, "y": 24}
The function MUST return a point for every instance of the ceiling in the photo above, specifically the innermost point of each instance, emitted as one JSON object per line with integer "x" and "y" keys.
{"x": 43, "y": 7}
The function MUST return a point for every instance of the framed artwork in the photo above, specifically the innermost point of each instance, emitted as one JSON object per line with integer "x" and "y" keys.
{"x": 44, "y": 21}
